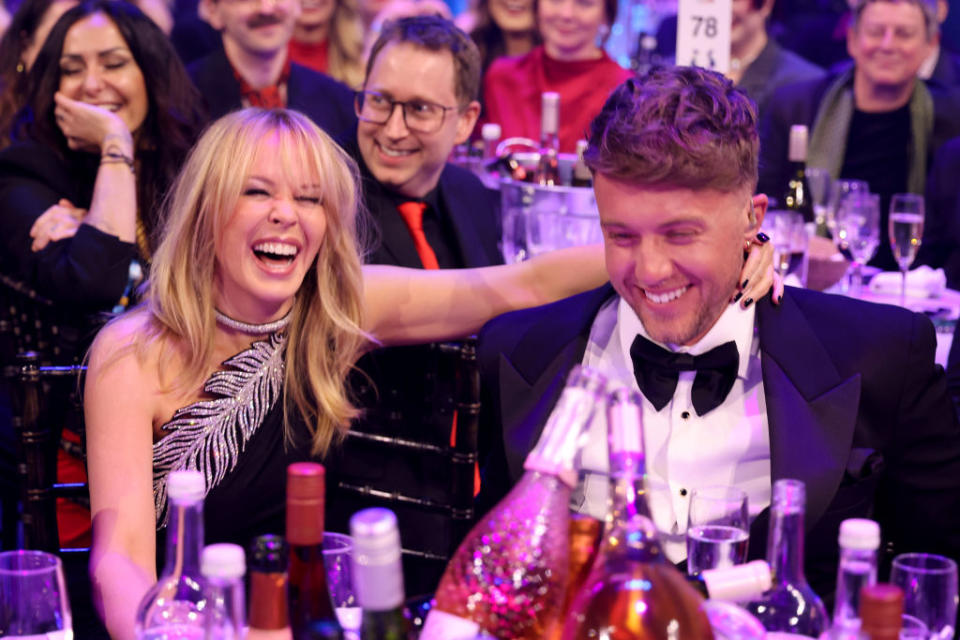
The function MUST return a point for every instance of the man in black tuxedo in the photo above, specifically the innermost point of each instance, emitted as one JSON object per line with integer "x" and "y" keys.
{"x": 838, "y": 393}
{"x": 253, "y": 68}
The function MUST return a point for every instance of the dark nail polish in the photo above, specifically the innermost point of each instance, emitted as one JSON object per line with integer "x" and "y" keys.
{"x": 745, "y": 283}
{"x": 738, "y": 296}
{"x": 747, "y": 302}
{"x": 762, "y": 237}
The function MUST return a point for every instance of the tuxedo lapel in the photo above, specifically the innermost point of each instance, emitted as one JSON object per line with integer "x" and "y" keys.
{"x": 460, "y": 212}
{"x": 533, "y": 376}
{"x": 811, "y": 408}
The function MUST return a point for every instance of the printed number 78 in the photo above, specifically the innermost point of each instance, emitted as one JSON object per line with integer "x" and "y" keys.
{"x": 709, "y": 25}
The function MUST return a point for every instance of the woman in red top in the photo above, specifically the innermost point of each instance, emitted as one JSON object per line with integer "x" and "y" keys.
{"x": 571, "y": 62}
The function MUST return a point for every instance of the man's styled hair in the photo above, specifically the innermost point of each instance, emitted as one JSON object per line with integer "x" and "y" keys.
{"x": 927, "y": 7}
{"x": 680, "y": 126}
{"x": 436, "y": 34}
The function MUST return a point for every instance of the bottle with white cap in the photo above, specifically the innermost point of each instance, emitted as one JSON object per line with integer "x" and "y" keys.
{"x": 172, "y": 607}
{"x": 223, "y": 566}
{"x": 859, "y": 541}
{"x": 490, "y": 133}
{"x": 378, "y": 575}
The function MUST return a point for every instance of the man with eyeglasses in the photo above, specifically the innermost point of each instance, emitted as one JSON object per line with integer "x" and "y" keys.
{"x": 417, "y": 103}
{"x": 253, "y": 68}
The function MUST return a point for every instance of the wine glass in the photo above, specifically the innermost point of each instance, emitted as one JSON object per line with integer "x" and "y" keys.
{"x": 717, "y": 529}
{"x": 858, "y": 231}
{"x": 337, "y": 552}
{"x": 906, "y": 231}
{"x": 33, "y": 596}
{"x": 821, "y": 185}
{"x": 790, "y": 245}
{"x": 838, "y": 193}
{"x": 929, "y": 584}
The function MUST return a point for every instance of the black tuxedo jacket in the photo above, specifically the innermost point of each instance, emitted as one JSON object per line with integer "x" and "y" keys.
{"x": 327, "y": 102}
{"x": 856, "y": 408}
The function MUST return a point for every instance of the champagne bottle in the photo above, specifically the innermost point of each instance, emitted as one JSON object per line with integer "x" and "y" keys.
{"x": 633, "y": 591}
{"x": 507, "y": 577}
{"x": 791, "y": 605}
{"x": 310, "y": 609}
{"x": 378, "y": 575}
{"x": 173, "y": 607}
{"x": 581, "y": 172}
{"x": 859, "y": 540}
{"x": 548, "y": 167}
{"x": 268, "y": 587}
{"x": 223, "y": 566}
{"x": 797, "y": 196}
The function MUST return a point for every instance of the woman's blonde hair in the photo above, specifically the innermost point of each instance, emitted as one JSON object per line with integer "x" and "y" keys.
{"x": 324, "y": 337}
{"x": 345, "y": 62}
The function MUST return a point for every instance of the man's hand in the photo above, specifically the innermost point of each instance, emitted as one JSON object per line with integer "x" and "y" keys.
{"x": 56, "y": 223}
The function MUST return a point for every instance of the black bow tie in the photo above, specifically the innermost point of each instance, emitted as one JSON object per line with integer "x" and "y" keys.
{"x": 657, "y": 371}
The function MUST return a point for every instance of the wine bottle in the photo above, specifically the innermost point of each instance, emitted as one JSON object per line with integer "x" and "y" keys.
{"x": 507, "y": 577}
{"x": 859, "y": 540}
{"x": 173, "y": 607}
{"x": 223, "y": 566}
{"x": 585, "y": 533}
{"x": 548, "y": 166}
{"x": 581, "y": 172}
{"x": 791, "y": 605}
{"x": 378, "y": 575}
{"x": 268, "y": 587}
{"x": 309, "y": 605}
{"x": 633, "y": 591}
{"x": 797, "y": 196}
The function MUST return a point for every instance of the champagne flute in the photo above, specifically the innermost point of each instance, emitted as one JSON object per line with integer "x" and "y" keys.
{"x": 337, "y": 552}
{"x": 821, "y": 186}
{"x": 717, "y": 529}
{"x": 858, "y": 231}
{"x": 929, "y": 584}
{"x": 838, "y": 193}
{"x": 33, "y": 596}
{"x": 906, "y": 231}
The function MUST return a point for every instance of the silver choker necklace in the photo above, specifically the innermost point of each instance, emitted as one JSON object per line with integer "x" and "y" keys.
{"x": 253, "y": 329}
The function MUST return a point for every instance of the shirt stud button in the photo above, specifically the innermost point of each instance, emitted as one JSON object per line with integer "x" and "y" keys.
{"x": 685, "y": 415}
{"x": 683, "y": 492}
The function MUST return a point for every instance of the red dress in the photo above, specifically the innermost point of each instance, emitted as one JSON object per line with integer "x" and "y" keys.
{"x": 512, "y": 88}
{"x": 312, "y": 55}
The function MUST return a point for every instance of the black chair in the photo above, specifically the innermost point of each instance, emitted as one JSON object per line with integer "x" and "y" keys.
{"x": 400, "y": 454}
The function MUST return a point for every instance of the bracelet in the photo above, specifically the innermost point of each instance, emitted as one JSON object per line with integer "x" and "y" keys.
{"x": 116, "y": 157}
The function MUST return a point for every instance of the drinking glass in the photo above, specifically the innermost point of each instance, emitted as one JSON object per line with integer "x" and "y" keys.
{"x": 790, "y": 242}
{"x": 717, "y": 529}
{"x": 821, "y": 185}
{"x": 33, "y": 596}
{"x": 840, "y": 190}
{"x": 929, "y": 584}
{"x": 858, "y": 232}
{"x": 337, "y": 552}
{"x": 906, "y": 231}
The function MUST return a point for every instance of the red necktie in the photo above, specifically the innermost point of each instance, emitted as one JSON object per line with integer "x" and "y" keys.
{"x": 412, "y": 213}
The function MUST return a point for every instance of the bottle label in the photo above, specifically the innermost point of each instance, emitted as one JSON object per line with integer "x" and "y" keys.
{"x": 441, "y": 625}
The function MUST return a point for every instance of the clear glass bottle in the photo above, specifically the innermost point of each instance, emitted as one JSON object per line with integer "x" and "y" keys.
{"x": 633, "y": 591}
{"x": 173, "y": 607}
{"x": 378, "y": 575}
{"x": 582, "y": 177}
{"x": 791, "y": 605}
{"x": 797, "y": 195}
{"x": 507, "y": 578}
{"x": 490, "y": 134}
{"x": 859, "y": 540}
{"x": 268, "y": 587}
{"x": 312, "y": 616}
{"x": 223, "y": 566}
{"x": 548, "y": 167}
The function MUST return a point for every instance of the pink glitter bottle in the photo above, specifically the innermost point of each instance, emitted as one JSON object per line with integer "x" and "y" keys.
{"x": 508, "y": 576}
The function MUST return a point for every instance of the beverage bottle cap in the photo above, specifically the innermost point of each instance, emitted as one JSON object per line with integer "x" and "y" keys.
{"x": 223, "y": 560}
{"x": 491, "y": 131}
{"x": 859, "y": 534}
{"x": 789, "y": 496}
{"x": 881, "y": 611}
{"x": 549, "y": 112}
{"x": 798, "y": 143}
{"x": 376, "y": 540}
{"x": 741, "y": 582}
{"x": 268, "y": 554}
{"x": 306, "y": 487}
{"x": 185, "y": 485}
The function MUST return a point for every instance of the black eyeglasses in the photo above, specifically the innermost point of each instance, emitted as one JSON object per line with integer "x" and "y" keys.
{"x": 418, "y": 115}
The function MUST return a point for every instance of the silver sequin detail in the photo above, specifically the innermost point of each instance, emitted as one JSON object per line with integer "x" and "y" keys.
{"x": 209, "y": 436}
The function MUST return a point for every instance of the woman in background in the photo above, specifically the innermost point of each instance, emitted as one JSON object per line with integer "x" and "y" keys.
{"x": 328, "y": 38}
{"x": 503, "y": 28}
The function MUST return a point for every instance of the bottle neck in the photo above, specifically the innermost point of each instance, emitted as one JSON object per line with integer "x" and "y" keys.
{"x": 630, "y": 524}
{"x": 225, "y": 616}
{"x": 785, "y": 546}
{"x": 184, "y": 538}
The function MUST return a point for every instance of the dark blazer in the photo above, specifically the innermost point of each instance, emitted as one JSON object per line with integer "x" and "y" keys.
{"x": 88, "y": 271}
{"x": 946, "y": 72}
{"x": 472, "y": 211}
{"x": 856, "y": 407}
{"x": 328, "y": 103}
{"x": 941, "y": 229}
